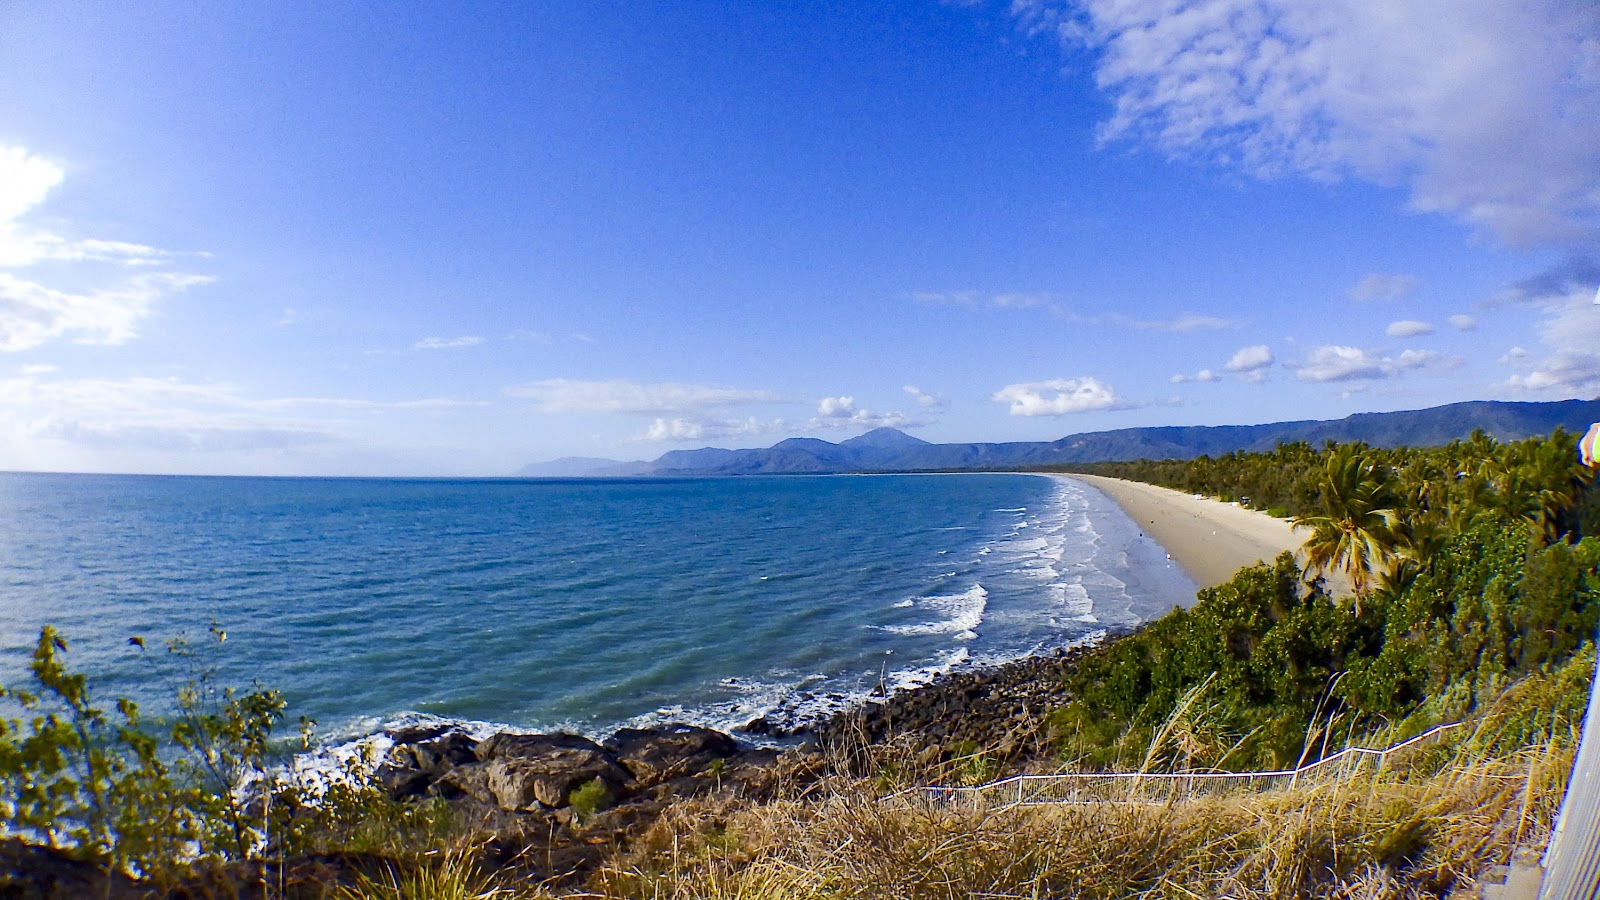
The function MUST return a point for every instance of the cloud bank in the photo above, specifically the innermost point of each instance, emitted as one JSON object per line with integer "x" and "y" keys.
{"x": 1571, "y": 332}
{"x": 1334, "y": 362}
{"x": 1486, "y": 110}
{"x": 561, "y": 395}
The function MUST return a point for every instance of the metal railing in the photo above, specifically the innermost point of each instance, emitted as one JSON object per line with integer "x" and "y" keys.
{"x": 1087, "y": 787}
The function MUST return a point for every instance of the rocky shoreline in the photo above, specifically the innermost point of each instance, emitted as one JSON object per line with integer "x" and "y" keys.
{"x": 560, "y": 805}
{"x": 578, "y": 799}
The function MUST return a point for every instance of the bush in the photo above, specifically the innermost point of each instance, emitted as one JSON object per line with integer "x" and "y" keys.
{"x": 108, "y": 790}
{"x": 589, "y": 798}
{"x": 1267, "y": 645}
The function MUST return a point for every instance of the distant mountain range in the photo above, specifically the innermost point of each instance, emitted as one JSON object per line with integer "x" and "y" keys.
{"x": 888, "y": 450}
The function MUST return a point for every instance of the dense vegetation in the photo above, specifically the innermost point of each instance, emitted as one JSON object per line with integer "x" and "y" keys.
{"x": 1469, "y": 570}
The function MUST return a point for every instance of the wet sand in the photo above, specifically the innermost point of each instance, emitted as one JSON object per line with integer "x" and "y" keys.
{"x": 1210, "y": 540}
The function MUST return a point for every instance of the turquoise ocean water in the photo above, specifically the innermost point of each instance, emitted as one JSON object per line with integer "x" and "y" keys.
{"x": 576, "y": 604}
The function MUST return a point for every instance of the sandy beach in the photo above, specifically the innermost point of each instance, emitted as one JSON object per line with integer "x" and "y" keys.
{"x": 1209, "y": 539}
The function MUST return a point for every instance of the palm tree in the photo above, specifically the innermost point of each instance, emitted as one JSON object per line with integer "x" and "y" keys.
{"x": 1540, "y": 478}
{"x": 1352, "y": 529}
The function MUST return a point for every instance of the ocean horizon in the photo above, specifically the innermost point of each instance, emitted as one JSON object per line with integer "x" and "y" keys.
{"x": 572, "y": 604}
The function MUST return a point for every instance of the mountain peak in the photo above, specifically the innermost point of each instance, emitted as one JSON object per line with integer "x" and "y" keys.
{"x": 884, "y": 439}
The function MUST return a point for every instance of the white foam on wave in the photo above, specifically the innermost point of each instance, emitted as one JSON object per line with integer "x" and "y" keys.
{"x": 963, "y": 614}
{"x": 1052, "y": 589}
{"x": 357, "y": 749}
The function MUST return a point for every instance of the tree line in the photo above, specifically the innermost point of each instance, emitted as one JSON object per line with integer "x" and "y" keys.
{"x": 1470, "y": 568}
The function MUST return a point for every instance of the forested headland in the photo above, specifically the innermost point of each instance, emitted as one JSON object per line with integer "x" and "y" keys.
{"x": 1472, "y": 566}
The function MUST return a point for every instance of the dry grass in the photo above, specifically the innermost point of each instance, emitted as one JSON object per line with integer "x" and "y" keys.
{"x": 1424, "y": 826}
{"x": 1398, "y": 835}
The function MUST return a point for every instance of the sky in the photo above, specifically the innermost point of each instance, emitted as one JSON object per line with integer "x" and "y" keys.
{"x": 453, "y": 239}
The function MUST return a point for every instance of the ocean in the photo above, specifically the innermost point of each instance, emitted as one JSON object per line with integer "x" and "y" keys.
{"x": 574, "y": 604}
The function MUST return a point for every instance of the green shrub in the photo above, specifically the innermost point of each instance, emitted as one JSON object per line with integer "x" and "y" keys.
{"x": 103, "y": 790}
{"x": 589, "y": 798}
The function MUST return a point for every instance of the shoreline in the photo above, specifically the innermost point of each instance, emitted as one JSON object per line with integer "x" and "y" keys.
{"x": 1209, "y": 539}
{"x": 990, "y": 718}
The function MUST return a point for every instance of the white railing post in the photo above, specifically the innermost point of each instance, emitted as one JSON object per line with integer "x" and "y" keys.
{"x": 1572, "y": 862}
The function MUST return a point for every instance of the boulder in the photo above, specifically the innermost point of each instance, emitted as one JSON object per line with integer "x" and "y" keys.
{"x": 666, "y": 752}
{"x": 471, "y": 781}
{"x": 534, "y": 771}
{"x": 412, "y": 734}
{"x": 404, "y": 784}
{"x": 412, "y": 768}
{"x": 443, "y": 752}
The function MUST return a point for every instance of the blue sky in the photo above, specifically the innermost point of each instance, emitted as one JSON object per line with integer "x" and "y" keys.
{"x": 456, "y": 238}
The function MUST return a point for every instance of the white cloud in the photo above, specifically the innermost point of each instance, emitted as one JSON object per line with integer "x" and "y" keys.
{"x": 836, "y": 407}
{"x": 1378, "y": 286}
{"x": 841, "y": 412}
{"x": 1203, "y": 376}
{"x": 1571, "y": 332}
{"x": 561, "y": 395}
{"x": 1463, "y": 322}
{"x": 439, "y": 343}
{"x": 704, "y": 429}
{"x": 1338, "y": 363}
{"x": 26, "y": 179}
{"x": 1483, "y": 109}
{"x": 33, "y": 313}
{"x": 978, "y": 299}
{"x": 168, "y": 424}
{"x": 1332, "y": 362}
{"x": 1181, "y": 323}
{"x": 1059, "y": 397}
{"x": 1249, "y": 359}
{"x": 48, "y": 421}
{"x": 923, "y": 398}
{"x": 1420, "y": 359}
{"x": 1408, "y": 328}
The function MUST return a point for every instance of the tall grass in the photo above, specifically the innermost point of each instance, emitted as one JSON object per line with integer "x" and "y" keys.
{"x": 1399, "y": 833}
{"x": 1423, "y": 825}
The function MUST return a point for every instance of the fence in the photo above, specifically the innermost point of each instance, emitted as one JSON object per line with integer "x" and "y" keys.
{"x": 1085, "y": 787}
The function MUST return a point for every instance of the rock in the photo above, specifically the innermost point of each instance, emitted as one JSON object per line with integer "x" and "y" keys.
{"x": 403, "y": 784}
{"x": 472, "y": 781}
{"x": 411, "y": 734}
{"x": 411, "y": 768}
{"x": 505, "y": 745}
{"x": 532, "y": 771}
{"x": 30, "y": 872}
{"x": 655, "y": 755}
{"x": 441, "y": 753}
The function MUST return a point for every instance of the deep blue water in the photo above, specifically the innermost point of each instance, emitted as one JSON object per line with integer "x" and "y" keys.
{"x": 579, "y": 604}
